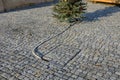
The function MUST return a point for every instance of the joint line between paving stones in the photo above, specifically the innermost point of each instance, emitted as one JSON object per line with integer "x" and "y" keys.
{"x": 62, "y": 68}
{"x": 72, "y": 58}
{"x": 36, "y": 51}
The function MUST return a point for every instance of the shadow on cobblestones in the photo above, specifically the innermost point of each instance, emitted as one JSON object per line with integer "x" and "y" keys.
{"x": 108, "y": 11}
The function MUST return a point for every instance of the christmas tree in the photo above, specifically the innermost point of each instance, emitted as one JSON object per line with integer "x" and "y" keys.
{"x": 69, "y": 10}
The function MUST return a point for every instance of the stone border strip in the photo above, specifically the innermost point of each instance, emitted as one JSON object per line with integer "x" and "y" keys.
{"x": 38, "y": 54}
{"x": 72, "y": 57}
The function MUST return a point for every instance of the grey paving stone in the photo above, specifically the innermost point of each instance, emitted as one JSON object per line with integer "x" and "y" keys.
{"x": 2, "y": 78}
{"x": 112, "y": 78}
{"x": 79, "y": 78}
{"x": 118, "y": 73}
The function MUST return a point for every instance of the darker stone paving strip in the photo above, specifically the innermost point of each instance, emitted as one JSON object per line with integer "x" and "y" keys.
{"x": 41, "y": 55}
{"x": 60, "y": 49}
{"x": 72, "y": 58}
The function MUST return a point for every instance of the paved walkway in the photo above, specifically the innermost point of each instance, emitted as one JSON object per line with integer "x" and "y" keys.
{"x": 86, "y": 51}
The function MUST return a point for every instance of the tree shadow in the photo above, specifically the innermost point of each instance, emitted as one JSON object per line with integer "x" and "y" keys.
{"x": 30, "y": 6}
{"x": 108, "y": 11}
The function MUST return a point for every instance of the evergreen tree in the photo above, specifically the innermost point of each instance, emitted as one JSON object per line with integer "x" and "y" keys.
{"x": 69, "y": 10}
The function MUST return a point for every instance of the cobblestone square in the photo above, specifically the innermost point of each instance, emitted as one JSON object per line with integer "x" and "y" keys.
{"x": 89, "y": 50}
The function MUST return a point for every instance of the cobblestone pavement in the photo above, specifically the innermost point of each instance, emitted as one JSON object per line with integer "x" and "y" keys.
{"x": 86, "y": 51}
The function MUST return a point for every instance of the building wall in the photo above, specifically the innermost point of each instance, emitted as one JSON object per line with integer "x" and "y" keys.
{"x": 11, "y": 4}
{"x": 1, "y": 6}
